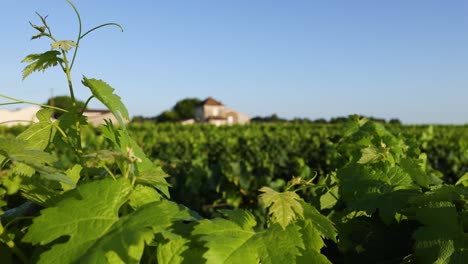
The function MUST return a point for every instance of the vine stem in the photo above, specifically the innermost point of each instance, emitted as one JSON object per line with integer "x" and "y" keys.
{"x": 79, "y": 148}
{"x": 79, "y": 33}
{"x": 11, "y": 244}
{"x": 19, "y": 101}
{"x": 87, "y": 32}
{"x": 86, "y": 103}
{"x": 18, "y": 252}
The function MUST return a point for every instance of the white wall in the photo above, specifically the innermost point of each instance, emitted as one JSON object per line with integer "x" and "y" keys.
{"x": 24, "y": 116}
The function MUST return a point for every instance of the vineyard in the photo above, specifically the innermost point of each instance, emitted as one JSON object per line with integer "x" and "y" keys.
{"x": 357, "y": 192}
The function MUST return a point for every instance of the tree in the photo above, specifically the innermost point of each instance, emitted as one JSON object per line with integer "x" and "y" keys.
{"x": 167, "y": 116}
{"x": 185, "y": 108}
{"x": 268, "y": 119}
{"x": 182, "y": 110}
{"x": 395, "y": 121}
{"x": 64, "y": 102}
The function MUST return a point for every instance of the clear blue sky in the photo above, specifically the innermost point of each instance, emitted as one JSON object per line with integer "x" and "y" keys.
{"x": 396, "y": 58}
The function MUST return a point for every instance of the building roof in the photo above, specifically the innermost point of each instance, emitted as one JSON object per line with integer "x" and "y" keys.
{"x": 210, "y": 101}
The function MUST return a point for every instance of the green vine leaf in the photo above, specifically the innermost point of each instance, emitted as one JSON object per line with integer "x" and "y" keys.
{"x": 146, "y": 171}
{"x": 442, "y": 238}
{"x": 171, "y": 252}
{"x": 313, "y": 244}
{"x": 227, "y": 242}
{"x": 40, "y": 62}
{"x": 64, "y": 45}
{"x": 18, "y": 150}
{"x": 369, "y": 155}
{"x": 104, "y": 93}
{"x": 39, "y": 134}
{"x": 284, "y": 207}
{"x": 319, "y": 222}
{"x": 89, "y": 217}
{"x": 38, "y": 28}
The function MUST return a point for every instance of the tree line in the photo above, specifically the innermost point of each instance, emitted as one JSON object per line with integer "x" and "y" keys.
{"x": 184, "y": 109}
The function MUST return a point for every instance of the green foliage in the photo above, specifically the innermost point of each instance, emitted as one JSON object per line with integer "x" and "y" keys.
{"x": 182, "y": 110}
{"x": 185, "y": 108}
{"x": 95, "y": 229}
{"x": 167, "y": 116}
{"x": 68, "y": 195}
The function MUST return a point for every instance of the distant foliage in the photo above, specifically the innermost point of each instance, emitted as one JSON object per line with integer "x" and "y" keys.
{"x": 64, "y": 102}
{"x": 182, "y": 110}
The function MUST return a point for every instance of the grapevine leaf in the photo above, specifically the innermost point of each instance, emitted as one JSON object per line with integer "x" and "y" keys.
{"x": 441, "y": 239}
{"x": 142, "y": 195}
{"x": 40, "y": 62}
{"x": 279, "y": 245}
{"x": 103, "y": 157}
{"x": 104, "y": 93}
{"x": 93, "y": 227}
{"x": 387, "y": 190}
{"x": 171, "y": 252}
{"x": 313, "y": 243}
{"x": 227, "y": 242}
{"x": 415, "y": 168}
{"x": 39, "y": 191}
{"x": 128, "y": 236}
{"x": 243, "y": 218}
{"x": 146, "y": 172}
{"x": 322, "y": 224}
{"x": 38, "y": 28}
{"x": 74, "y": 175}
{"x": 463, "y": 180}
{"x": 39, "y": 134}
{"x": 18, "y": 150}
{"x": 63, "y": 45}
{"x": 369, "y": 155}
{"x": 37, "y": 137}
{"x": 330, "y": 198}
{"x": 284, "y": 207}
{"x": 156, "y": 178}
{"x": 67, "y": 123}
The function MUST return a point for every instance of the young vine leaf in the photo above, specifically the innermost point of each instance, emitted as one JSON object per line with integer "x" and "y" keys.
{"x": 284, "y": 207}
{"x": 40, "y": 62}
{"x": 104, "y": 93}
{"x": 64, "y": 45}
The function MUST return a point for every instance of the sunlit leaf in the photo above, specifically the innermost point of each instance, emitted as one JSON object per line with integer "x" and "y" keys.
{"x": 63, "y": 45}
{"x": 105, "y": 93}
{"x": 40, "y": 62}
{"x": 284, "y": 207}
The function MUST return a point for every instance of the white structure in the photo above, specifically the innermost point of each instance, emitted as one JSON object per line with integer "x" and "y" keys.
{"x": 98, "y": 117}
{"x": 24, "y": 116}
{"x": 214, "y": 112}
{"x": 27, "y": 115}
